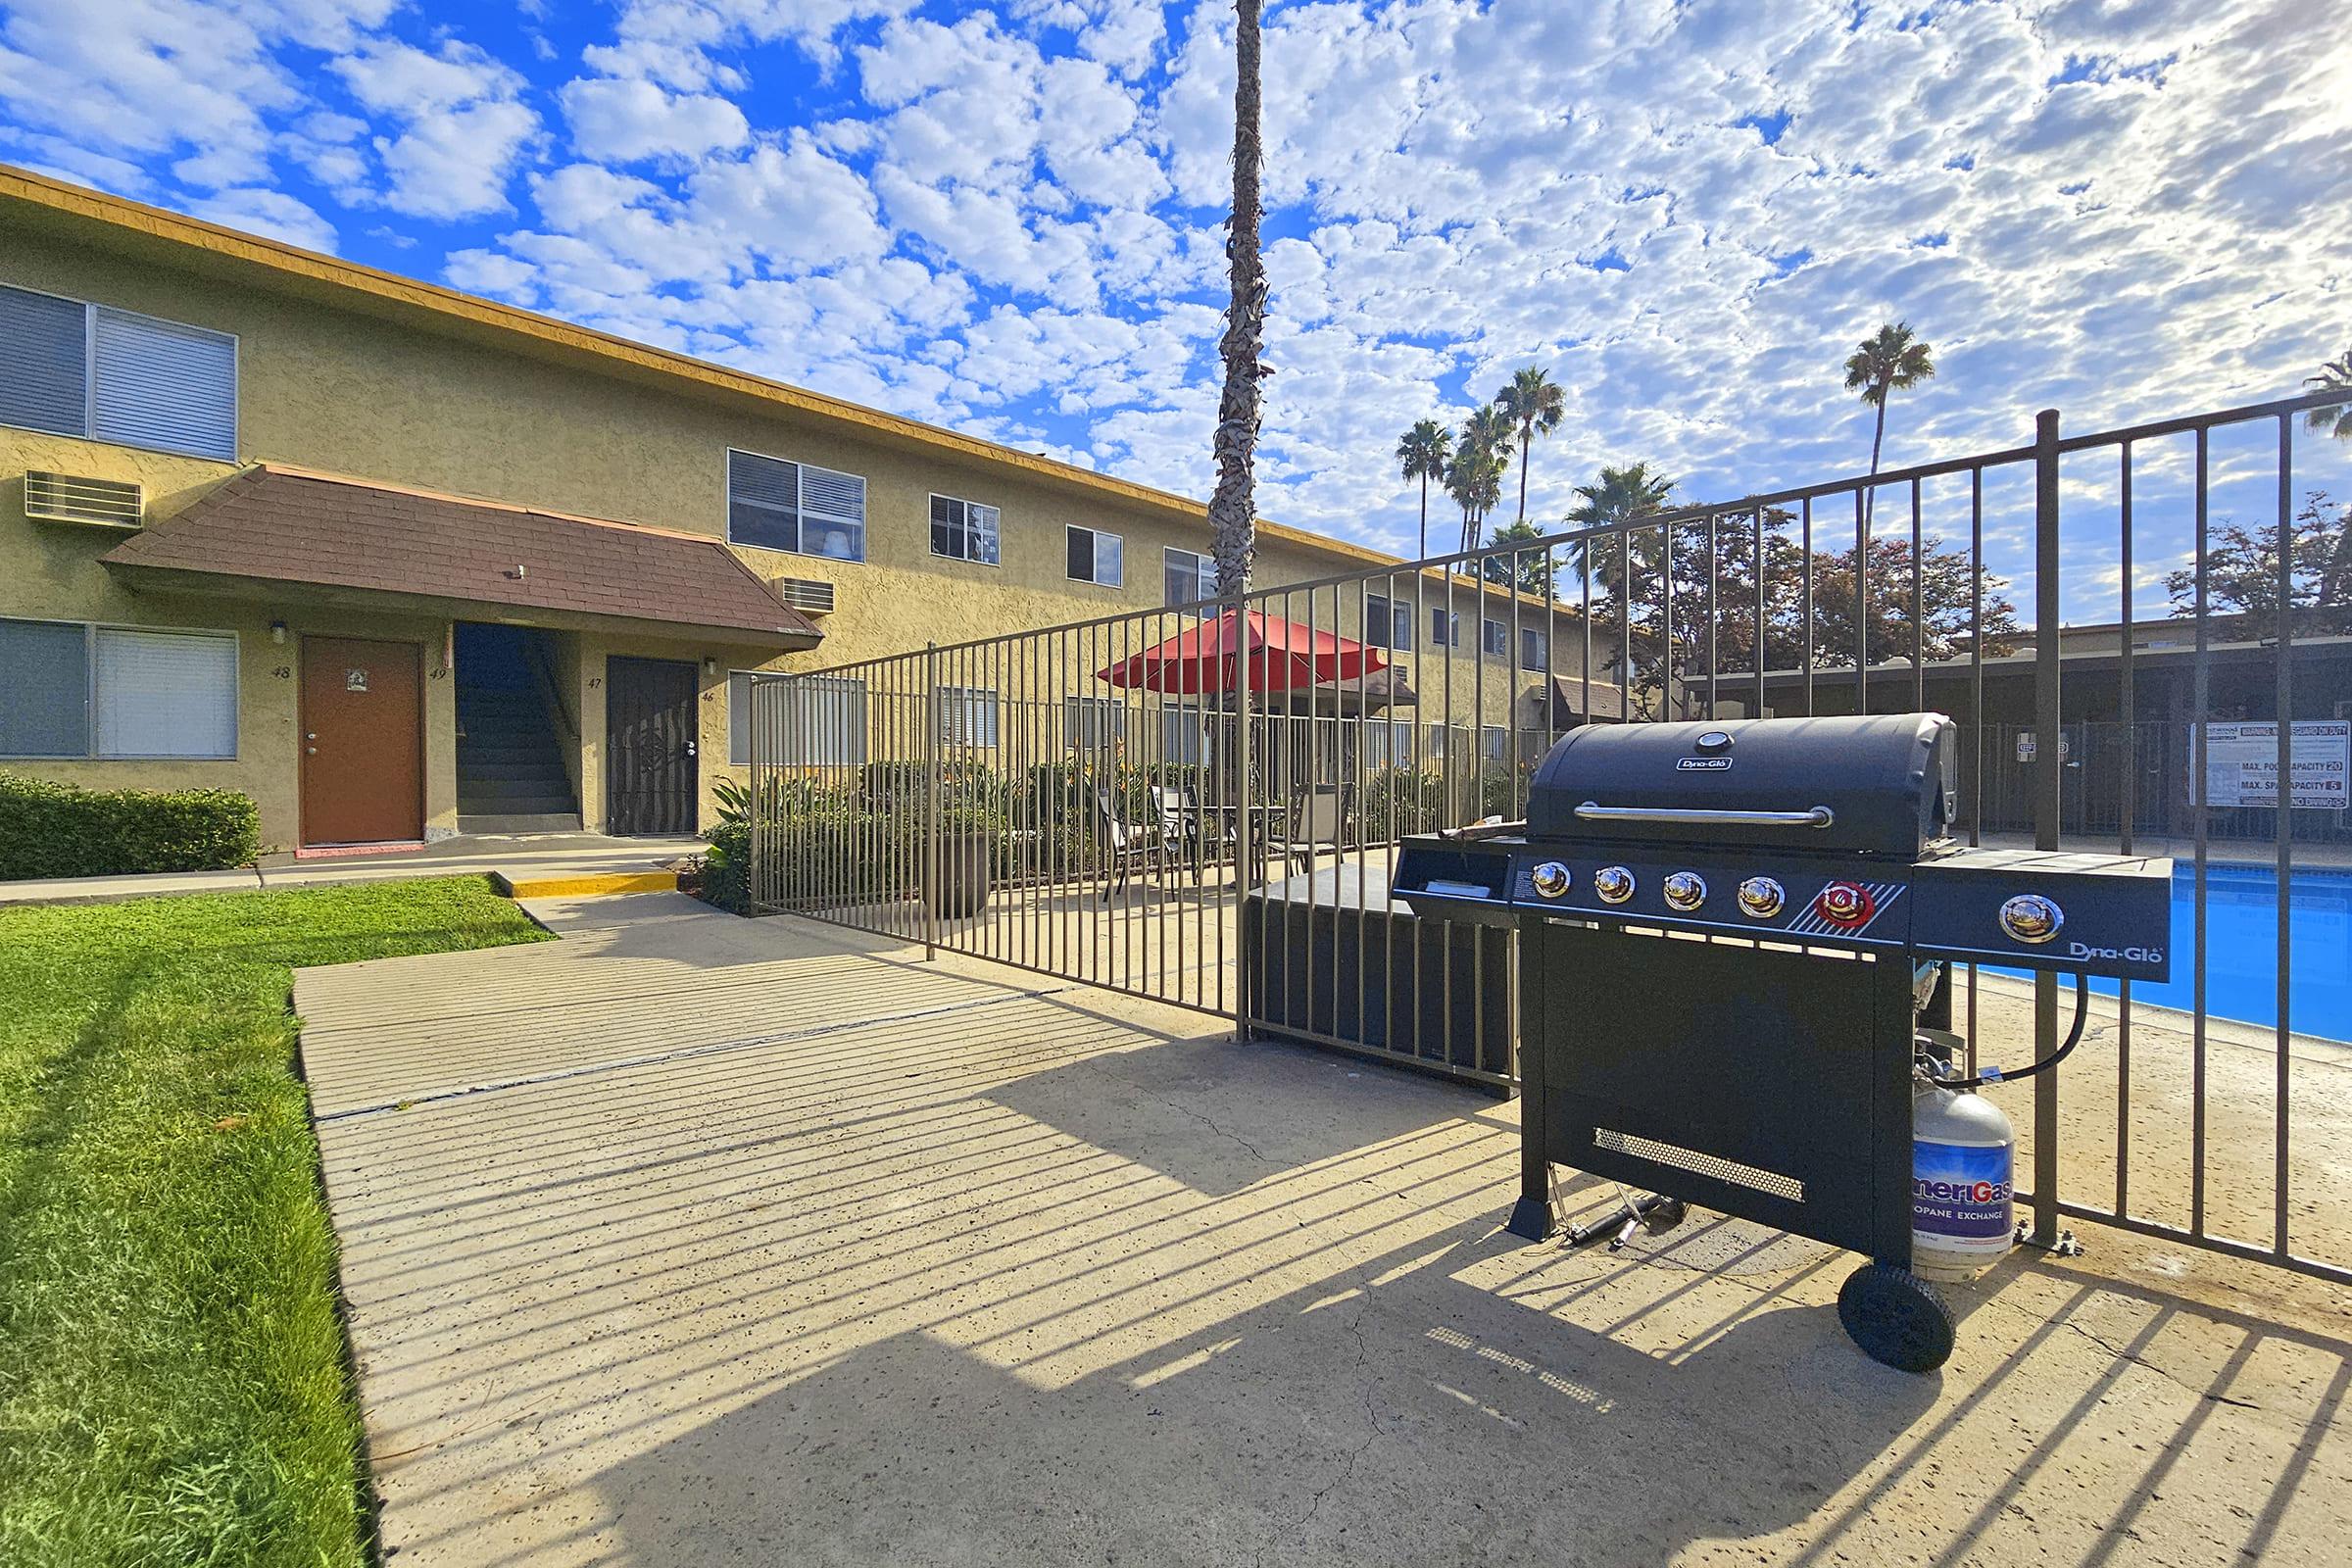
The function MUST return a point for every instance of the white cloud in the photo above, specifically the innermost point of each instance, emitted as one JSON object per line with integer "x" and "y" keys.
{"x": 463, "y": 125}
{"x": 630, "y": 120}
{"x": 269, "y": 212}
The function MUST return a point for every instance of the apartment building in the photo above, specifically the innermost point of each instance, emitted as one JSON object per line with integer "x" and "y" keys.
{"x": 402, "y": 562}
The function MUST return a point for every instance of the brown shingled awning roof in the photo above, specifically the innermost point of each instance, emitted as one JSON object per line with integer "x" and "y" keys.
{"x": 361, "y": 541}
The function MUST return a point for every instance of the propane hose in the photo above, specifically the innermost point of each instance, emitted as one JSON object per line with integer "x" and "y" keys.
{"x": 2073, "y": 1038}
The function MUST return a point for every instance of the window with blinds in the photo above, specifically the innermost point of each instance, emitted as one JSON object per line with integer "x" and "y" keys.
{"x": 816, "y": 721}
{"x": 165, "y": 694}
{"x": 1094, "y": 723}
{"x": 776, "y": 504}
{"x": 78, "y": 690}
{"x": 1187, "y": 576}
{"x": 91, "y": 370}
{"x": 968, "y": 715}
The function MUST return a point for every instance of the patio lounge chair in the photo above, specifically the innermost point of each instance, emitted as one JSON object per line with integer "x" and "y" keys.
{"x": 1318, "y": 820}
{"x": 1124, "y": 845}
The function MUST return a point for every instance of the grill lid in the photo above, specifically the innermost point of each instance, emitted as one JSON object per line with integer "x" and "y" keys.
{"x": 1885, "y": 785}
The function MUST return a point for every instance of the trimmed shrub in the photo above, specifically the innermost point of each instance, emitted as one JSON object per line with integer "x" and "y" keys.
{"x": 51, "y": 829}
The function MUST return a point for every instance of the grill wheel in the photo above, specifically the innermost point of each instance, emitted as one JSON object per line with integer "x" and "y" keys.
{"x": 1898, "y": 1319}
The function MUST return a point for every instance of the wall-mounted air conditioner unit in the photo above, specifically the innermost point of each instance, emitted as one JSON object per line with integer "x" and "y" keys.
{"x": 807, "y": 595}
{"x": 68, "y": 498}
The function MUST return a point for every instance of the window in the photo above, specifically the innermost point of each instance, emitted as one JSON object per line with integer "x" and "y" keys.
{"x": 963, "y": 530}
{"x": 1092, "y": 723}
{"x": 776, "y": 504}
{"x": 1535, "y": 648}
{"x": 814, "y": 720}
{"x": 1387, "y": 742}
{"x": 117, "y": 691}
{"x": 1183, "y": 733}
{"x": 1388, "y": 623}
{"x": 1096, "y": 556}
{"x": 1446, "y": 627}
{"x": 1494, "y": 742}
{"x": 110, "y": 375}
{"x": 1493, "y": 639}
{"x": 968, "y": 715}
{"x": 1188, "y": 577}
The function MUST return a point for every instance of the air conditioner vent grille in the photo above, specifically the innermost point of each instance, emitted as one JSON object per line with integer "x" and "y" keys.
{"x": 807, "y": 595}
{"x": 71, "y": 498}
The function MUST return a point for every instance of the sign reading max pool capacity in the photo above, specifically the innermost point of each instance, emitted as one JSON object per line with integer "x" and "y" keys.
{"x": 2242, "y": 764}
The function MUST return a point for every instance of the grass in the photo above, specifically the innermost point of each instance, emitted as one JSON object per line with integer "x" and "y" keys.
{"x": 173, "y": 1381}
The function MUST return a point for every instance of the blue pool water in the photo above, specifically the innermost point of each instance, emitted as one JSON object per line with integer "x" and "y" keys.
{"x": 2241, "y": 947}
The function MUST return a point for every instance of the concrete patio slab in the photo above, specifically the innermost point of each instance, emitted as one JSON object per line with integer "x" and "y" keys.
{"x": 705, "y": 1240}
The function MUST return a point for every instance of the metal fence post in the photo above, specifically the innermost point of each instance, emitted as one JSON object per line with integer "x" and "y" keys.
{"x": 1245, "y": 838}
{"x": 2049, "y": 776}
{"x": 930, "y": 887}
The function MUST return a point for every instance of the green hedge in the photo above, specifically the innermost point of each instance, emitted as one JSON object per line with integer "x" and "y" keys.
{"x": 60, "y": 830}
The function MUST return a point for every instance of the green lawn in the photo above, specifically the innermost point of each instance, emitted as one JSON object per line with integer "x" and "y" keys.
{"x": 173, "y": 1388}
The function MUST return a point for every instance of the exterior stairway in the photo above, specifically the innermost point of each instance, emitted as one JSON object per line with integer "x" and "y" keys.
{"x": 511, "y": 774}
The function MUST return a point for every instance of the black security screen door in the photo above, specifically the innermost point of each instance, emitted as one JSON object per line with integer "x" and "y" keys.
{"x": 650, "y": 737}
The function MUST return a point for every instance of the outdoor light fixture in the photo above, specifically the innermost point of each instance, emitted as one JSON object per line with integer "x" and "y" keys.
{"x": 278, "y": 632}
{"x": 709, "y": 667}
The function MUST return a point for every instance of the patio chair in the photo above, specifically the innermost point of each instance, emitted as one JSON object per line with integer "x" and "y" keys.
{"x": 1187, "y": 832}
{"x": 1125, "y": 845}
{"x": 1318, "y": 820}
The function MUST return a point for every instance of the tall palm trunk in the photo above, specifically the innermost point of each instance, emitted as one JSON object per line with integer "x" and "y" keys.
{"x": 1524, "y": 442}
{"x": 1870, "y": 497}
{"x": 1233, "y": 506}
{"x": 1424, "y": 556}
{"x": 1232, "y": 509}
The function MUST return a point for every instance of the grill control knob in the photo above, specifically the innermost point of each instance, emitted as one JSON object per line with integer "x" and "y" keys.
{"x": 1761, "y": 898}
{"x": 1614, "y": 884}
{"x": 1684, "y": 891}
{"x": 1847, "y": 903}
{"x": 1550, "y": 879}
{"x": 2031, "y": 917}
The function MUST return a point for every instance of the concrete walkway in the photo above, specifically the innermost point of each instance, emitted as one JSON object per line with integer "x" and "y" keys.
{"x": 522, "y": 855}
{"x": 693, "y": 1240}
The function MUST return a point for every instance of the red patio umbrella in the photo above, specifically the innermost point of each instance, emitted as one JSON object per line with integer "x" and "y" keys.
{"x": 1282, "y": 656}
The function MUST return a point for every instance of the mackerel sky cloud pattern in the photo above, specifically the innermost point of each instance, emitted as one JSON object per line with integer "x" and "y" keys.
{"x": 1006, "y": 219}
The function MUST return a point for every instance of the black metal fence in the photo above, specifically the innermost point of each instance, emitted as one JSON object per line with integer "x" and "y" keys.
{"x": 1196, "y": 803}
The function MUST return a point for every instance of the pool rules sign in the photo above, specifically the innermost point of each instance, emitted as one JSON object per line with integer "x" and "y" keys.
{"x": 2242, "y": 764}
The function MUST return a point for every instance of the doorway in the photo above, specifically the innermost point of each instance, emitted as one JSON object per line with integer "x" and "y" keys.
{"x": 363, "y": 741}
{"x": 653, "y": 774}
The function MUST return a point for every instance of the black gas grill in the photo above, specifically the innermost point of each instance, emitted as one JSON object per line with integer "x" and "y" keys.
{"x": 1731, "y": 936}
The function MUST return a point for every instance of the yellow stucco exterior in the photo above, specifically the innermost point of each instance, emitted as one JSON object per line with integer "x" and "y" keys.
{"x": 401, "y": 383}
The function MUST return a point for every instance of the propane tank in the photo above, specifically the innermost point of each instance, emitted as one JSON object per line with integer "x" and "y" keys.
{"x": 1962, "y": 1154}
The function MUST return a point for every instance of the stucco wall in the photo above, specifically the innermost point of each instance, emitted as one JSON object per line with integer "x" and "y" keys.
{"x": 330, "y": 388}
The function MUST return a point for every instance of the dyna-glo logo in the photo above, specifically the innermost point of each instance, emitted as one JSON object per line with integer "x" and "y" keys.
{"x": 1701, "y": 764}
{"x": 2084, "y": 950}
{"x": 1960, "y": 1192}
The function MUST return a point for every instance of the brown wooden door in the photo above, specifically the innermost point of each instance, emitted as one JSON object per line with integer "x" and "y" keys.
{"x": 363, "y": 741}
{"x": 650, "y": 732}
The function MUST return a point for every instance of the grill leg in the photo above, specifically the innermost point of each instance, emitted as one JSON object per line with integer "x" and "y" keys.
{"x": 1532, "y": 1215}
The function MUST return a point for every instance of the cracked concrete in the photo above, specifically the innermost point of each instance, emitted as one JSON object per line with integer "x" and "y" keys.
{"x": 753, "y": 1241}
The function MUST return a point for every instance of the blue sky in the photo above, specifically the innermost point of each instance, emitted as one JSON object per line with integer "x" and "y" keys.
{"x": 1006, "y": 219}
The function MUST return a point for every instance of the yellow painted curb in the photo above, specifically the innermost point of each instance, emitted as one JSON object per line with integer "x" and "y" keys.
{"x": 586, "y": 886}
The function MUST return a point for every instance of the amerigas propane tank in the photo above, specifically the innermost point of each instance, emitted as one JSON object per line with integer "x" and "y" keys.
{"x": 1962, "y": 1154}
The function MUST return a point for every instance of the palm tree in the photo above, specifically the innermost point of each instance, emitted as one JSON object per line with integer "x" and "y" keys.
{"x": 1486, "y": 437}
{"x": 1421, "y": 453}
{"x": 2335, "y": 376}
{"x": 1617, "y": 498}
{"x": 1889, "y": 360}
{"x": 1232, "y": 506}
{"x": 1535, "y": 403}
{"x": 1474, "y": 478}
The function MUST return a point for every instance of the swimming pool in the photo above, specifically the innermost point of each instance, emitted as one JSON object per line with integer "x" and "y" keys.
{"x": 2241, "y": 947}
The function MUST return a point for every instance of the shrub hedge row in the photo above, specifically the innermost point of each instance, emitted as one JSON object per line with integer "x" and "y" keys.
{"x": 51, "y": 829}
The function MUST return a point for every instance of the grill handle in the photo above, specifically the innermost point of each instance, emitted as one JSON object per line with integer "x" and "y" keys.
{"x": 1715, "y": 816}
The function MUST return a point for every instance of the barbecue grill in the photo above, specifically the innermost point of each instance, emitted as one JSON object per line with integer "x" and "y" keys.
{"x": 1734, "y": 985}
